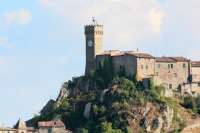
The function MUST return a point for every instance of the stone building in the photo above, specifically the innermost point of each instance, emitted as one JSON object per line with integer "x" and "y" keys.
{"x": 52, "y": 127}
{"x": 195, "y": 71}
{"x": 134, "y": 63}
{"x": 7, "y": 130}
{"x": 55, "y": 126}
{"x": 193, "y": 87}
{"x": 174, "y": 73}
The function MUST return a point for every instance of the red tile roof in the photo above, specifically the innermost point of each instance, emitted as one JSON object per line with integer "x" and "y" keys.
{"x": 165, "y": 59}
{"x": 57, "y": 123}
{"x": 180, "y": 59}
{"x": 171, "y": 59}
{"x": 121, "y": 53}
{"x": 140, "y": 55}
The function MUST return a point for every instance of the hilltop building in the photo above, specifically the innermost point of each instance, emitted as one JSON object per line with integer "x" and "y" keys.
{"x": 174, "y": 73}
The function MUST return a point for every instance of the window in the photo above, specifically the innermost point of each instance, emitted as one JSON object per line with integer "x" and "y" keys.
{"x": 175, "y": 74}
{"x": 146, "y": 66}
{"x": 158, "y": 65}
{"x": 199, "y": 84}
{"x": 141, "y": 66}
{"x": 184, "y": 65}
{"x": 170, "y": 66}
{"x": 49, "y": 130}
{"x": 170, "y": 86}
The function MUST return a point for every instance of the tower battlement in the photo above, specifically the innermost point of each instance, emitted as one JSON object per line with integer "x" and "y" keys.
{"x": 94, "y": 28}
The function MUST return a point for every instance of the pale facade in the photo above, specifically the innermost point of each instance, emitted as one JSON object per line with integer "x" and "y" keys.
{"x": 195, "y": 71}
{"x": 56, "y": 126}
{"x": 52, "y": 127}
{"x": 7, "y": 130}
{"x": 172, "y": 72}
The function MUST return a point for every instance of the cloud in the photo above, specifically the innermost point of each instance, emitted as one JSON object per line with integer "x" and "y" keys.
{"x": 156, "y": 19}
{"x": 126, "y": 22}
{"x": 20, "y": 17}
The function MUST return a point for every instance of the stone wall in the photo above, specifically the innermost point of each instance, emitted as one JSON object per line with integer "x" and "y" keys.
{"x": 145, "y": 67}
{"x": 195, "y": 74}
{"x": 171, "y": 74}
{"x": 127, "y": 62}
{"x": 191, "y": 89}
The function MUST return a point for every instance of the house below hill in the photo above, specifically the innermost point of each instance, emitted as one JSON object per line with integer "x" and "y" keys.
{"x": 54, "y": 126}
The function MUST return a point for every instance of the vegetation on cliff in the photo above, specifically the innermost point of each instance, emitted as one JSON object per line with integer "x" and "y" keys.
{"x": 113, "y": 103}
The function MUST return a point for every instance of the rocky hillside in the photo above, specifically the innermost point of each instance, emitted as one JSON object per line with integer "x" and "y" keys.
{"x": 107, "y": 103}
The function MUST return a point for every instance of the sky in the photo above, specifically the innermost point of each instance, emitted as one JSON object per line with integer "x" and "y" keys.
{"x": 42, "y": 42}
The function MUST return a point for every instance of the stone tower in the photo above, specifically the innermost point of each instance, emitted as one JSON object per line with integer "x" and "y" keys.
{"x": 94, "y": 45}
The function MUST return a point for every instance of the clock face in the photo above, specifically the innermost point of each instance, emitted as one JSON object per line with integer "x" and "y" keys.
{"x": 90, "y": 43}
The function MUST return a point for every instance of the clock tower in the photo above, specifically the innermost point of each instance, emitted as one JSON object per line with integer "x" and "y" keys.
{"x": 94, "y": 44}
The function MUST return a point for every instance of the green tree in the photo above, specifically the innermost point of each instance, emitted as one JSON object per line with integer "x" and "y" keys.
{"x": 106, "y": 127}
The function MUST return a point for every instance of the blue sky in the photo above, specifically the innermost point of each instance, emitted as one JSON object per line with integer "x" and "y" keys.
{"x": 42, "y": 42}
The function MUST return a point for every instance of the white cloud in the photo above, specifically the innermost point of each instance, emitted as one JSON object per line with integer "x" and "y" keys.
{"x": 156, "y": 19}
{"x": 131, "y": 23}
{"x": 20, "y": 17}
{"x": 126, "y": 21}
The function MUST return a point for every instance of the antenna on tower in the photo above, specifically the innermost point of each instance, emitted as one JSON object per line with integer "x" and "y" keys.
{"x": 94, "y": 21}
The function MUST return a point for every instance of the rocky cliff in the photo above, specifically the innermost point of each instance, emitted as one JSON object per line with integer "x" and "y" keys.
{"x": 123, "y": 105}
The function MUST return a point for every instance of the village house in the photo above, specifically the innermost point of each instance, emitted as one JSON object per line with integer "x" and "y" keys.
{"x": 54, "y": 126}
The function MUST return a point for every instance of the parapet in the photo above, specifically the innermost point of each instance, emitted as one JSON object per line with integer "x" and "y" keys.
{"x": 98, "y": 29}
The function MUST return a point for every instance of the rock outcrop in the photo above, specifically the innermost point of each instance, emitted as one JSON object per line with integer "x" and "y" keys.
{"x": 63, "y": 94}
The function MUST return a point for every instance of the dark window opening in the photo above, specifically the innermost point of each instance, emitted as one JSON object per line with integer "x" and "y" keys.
{"x": 184, "y": 65}
{"x": 199, "y": 84}
{"x": 170, "y": 86}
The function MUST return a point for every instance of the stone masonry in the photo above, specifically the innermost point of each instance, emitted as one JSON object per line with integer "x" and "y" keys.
{"x": 174, "y": 73}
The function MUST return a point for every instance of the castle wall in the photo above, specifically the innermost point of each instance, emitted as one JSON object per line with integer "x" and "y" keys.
{"x": 126, "y": 61}
{"x": 195, "y": 74}
{"x": 192, "y": 89}
{"x": 145, "y": 67}
{"x": 171, "y": 74}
